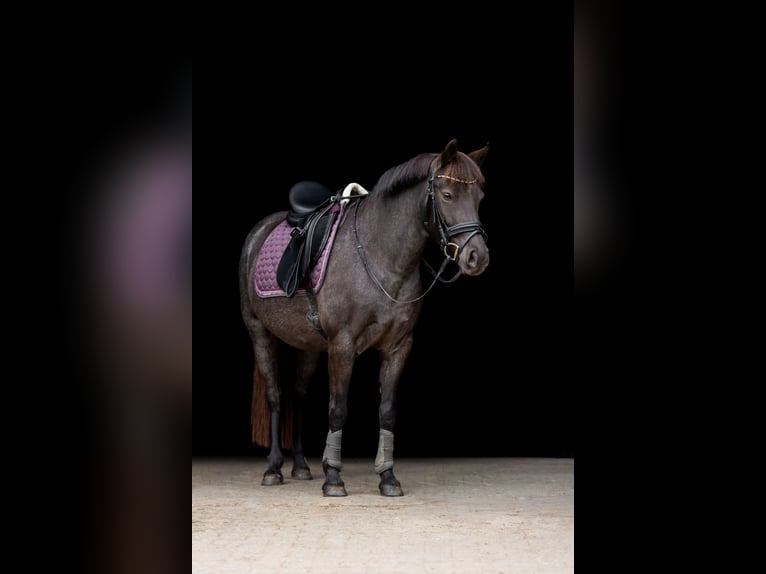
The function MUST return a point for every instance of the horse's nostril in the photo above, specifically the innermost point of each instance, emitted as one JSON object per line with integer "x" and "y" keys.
{"x": 472, "y": 258}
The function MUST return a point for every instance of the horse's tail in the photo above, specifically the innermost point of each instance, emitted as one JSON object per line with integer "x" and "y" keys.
{"x": 260, "y": 414}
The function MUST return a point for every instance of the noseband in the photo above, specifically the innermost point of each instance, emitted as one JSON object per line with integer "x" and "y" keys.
{"x": 433, "y": 216}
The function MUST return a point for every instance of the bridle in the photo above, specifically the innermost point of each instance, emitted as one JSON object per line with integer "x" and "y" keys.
{"x": 432, "y": 216}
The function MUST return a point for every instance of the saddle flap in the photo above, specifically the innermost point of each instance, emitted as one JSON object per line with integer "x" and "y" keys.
{"x": 304, "y": 250}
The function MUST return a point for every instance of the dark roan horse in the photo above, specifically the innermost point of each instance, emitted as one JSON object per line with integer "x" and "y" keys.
{"x": 370, "y": 299}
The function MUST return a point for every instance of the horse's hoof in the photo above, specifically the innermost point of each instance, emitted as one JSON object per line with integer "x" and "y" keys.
{"x": 272, "y": 479}
{"x": 334, "y": 490}
{"x": 391, "y": 489}
{"x": 301, "y": 473}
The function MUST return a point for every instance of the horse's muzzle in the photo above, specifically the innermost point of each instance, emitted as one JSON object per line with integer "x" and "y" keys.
{"x": 474, "y": 258}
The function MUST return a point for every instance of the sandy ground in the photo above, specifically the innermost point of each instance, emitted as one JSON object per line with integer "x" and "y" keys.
{"x": 457, "y": 515}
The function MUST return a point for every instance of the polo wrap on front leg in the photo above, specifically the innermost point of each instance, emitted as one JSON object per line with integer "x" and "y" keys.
{"x": 385, "y": 459}
{"x": 332, "y": 449}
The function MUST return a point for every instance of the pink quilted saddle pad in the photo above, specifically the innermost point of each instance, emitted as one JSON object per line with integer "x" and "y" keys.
{"x": 271, "y": 253}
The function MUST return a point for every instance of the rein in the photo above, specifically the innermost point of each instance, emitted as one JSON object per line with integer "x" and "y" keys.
{"x": 432, "y": 217}
{"x": 363, "y": 257}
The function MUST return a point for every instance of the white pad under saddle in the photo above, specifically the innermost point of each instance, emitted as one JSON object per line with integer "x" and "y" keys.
{"x": 352, "y": 189}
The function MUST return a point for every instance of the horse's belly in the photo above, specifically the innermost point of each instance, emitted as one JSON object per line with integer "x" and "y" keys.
{"x": 285, "y": 318}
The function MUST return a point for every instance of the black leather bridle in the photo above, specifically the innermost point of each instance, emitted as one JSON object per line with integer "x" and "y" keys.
{"x": 433, "y": 217}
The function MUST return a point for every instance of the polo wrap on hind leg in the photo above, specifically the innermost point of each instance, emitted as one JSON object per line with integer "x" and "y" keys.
{"x": 385, "y": 459}
{"x": 331, "y": 454}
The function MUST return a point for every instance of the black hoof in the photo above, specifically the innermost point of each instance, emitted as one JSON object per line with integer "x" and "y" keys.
{"x": 334, "y": 490}
{"x": 301, "y": 473}
{"x": 391, "y": 488}
{"x": 272, "y": 478}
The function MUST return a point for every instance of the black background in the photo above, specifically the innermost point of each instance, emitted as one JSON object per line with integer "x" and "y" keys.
{"x": 489, "y": 371}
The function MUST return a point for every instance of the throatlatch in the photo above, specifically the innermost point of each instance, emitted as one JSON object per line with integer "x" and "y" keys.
{"x": 331, "y": 454}
{"x": 385, "y": 458}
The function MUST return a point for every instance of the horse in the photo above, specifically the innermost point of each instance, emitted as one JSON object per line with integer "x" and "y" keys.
{"x": 370, "y": 299}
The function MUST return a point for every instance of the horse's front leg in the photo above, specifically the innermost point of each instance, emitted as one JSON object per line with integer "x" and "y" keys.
{"x": 392, "y": 365}
{"x": 340, "y": 364}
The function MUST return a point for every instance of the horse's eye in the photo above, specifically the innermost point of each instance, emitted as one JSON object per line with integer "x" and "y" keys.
{"x": 446, "y": 195}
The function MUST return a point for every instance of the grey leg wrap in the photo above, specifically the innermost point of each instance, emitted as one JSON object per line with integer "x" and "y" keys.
{"x": 332, "y": 449}
{"x": 385, "y": 458}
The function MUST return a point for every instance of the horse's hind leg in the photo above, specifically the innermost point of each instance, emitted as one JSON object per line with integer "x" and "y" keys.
{"x": 307, "y": 366}
{"x": 265, "y": 346}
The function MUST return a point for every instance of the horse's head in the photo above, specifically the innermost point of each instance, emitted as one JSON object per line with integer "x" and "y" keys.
{"x": 456, "y": 190}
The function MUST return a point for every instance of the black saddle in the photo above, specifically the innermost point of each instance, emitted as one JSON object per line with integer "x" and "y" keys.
{"x": 305, "y": 197}
{"x": 312, "y": 219}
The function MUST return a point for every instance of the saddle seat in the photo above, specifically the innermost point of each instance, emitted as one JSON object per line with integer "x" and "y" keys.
{"x": 305, "y": 197}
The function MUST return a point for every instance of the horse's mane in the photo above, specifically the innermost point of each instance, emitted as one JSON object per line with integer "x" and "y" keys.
{"x": 411, "y": 172}
{"x": 405, "y": 175}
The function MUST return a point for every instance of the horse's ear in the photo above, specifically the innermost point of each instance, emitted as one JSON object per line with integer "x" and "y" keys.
{"x": 479, "y": 155}
{"x": 449, "y": 154}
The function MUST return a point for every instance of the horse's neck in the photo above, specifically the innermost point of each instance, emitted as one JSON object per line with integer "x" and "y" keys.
{"x": 392, "y": 232}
